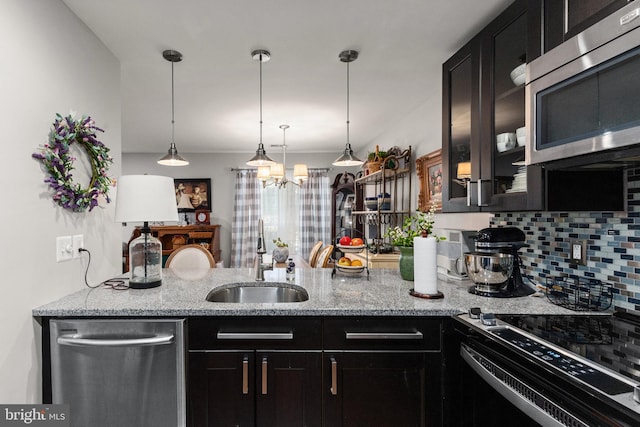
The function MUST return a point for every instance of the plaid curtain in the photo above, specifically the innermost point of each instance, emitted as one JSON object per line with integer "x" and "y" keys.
{"x": 246, "y": 212}
{"x": 315, "y": 211}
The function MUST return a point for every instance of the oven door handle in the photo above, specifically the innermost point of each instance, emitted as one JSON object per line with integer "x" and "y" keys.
{"x": 479, "y": 363}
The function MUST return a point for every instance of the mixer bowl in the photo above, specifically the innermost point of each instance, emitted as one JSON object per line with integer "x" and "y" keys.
{"x": 488, "y": 268}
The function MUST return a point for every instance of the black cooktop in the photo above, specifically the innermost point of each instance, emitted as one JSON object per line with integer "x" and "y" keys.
{"x": 612, "y": 341}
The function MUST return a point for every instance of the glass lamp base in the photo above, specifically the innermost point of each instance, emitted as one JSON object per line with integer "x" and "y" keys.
{"x": 145, "y": 253}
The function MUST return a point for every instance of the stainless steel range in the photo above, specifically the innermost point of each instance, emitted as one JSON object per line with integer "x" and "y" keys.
{"x": 577, "y": 370}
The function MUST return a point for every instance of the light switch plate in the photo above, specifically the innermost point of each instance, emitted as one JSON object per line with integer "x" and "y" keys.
{"x": 64, "y": 248}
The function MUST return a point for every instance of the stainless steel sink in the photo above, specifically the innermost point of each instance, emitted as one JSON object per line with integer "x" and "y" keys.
{"x": 258, "y": 292}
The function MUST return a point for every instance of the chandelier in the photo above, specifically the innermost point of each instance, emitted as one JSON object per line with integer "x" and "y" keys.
{"x": 276, "y": 174}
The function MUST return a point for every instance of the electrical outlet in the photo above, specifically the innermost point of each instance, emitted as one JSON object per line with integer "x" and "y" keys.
{"x": 64, "y": 248}
{"x": 578, "y": 253}
{"x": 78, "y": 242}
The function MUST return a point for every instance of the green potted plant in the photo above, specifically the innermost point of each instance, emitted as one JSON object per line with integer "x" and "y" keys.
{"x": 281, "y": 251}
{"x": 419, "y": 224}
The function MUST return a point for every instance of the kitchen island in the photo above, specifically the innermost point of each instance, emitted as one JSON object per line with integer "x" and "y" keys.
{"x": 358, "y": 352}
{"x": 384, "y": 294}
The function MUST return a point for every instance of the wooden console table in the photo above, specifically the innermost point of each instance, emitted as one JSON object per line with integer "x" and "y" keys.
{"x": 174, "y": 236}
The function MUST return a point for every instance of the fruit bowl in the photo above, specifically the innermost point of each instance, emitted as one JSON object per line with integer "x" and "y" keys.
{"x": 350, "y": 268}
{"x": 350, "y": 249}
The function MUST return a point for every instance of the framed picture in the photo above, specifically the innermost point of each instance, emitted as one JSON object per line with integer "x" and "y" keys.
{"x": 192, "y": 194}
{"x": 429, "y": 170}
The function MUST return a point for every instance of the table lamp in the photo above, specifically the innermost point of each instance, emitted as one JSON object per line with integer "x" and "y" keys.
{"x": 144, "y": 198}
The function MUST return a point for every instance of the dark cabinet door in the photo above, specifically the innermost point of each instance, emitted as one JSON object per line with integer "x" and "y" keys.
{"x": 460, "y": 126}
{"x": 221, "y": 389}
{"x": 481, "y": 101}
{"x": 288, "y": 389}
{"x": 565, "y": 19}
{"x": 255, "y": 389}
{"x": 379, "y": 389}
{"x": 506, "y": 44}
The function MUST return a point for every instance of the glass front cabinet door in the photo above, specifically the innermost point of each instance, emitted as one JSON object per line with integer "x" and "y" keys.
{"x": 484, "y": 119}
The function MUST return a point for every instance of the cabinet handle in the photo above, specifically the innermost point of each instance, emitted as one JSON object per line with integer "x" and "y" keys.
{"x": 414, "y": 335}
{"x": 481, "y": 201}
{"x": 334, "y": 376}
{"x": 264, "y": 375}
{"x": 255, "y": 335}
{"x": 245, "y": 375}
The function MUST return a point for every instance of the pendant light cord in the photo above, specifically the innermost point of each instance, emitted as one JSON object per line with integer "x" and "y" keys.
{"x": 347, "y": 103}
{"x": 260, "y": 60}
{"x": 172, "y": 109}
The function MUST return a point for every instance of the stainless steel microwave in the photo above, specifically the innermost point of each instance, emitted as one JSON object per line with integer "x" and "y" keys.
{"x": 583, "y": 97}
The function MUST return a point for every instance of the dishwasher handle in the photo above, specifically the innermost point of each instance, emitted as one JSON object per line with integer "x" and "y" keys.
{"x": 74, "y": 340}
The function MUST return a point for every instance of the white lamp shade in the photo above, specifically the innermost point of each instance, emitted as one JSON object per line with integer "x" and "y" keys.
{"x": 143, "y": 198}
{"x": 300, "y": 172}
{"x": 277, "y": 171}
{"x": 264, "y": 172}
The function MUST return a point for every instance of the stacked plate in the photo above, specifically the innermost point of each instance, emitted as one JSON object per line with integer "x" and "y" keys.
{"x": 519, "y": 179}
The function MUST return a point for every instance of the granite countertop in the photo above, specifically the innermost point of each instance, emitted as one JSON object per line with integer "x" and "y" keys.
{"x": 384, "y": 294}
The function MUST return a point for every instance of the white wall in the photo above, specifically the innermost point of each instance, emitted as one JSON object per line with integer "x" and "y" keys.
{"x": 422, "y": 130}
{"x": 51, "y": 63}
{"x": 218, "y": 168}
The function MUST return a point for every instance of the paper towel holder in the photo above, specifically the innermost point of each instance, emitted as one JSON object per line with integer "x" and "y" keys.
{"x": 437, "y": 295}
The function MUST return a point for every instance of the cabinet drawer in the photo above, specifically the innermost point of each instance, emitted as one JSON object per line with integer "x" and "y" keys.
{"x": 382, "y": 333}
{"x": 216, "y": 333}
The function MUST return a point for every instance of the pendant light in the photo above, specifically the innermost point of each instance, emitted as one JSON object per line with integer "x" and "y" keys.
{"x": 172, "y": 158}
{"x": 261, "y": 158}
{"x": 348, "y": 158}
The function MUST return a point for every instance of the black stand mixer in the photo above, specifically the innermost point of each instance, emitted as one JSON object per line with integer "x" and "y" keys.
{"x": 502, "y": 240}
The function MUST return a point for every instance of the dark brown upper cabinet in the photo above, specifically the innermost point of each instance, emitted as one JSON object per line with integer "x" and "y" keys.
{"x": 481, "y": 101}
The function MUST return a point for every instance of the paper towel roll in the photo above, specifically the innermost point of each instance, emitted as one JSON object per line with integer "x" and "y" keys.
{"x": 425, "y": 270}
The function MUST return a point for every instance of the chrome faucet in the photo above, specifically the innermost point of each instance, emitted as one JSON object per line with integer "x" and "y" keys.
{"x": 262, "y": 249}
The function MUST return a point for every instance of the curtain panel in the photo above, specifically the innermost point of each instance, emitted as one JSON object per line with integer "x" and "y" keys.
{"x": 315, "y": 211}
{"x": 246, "y": 212}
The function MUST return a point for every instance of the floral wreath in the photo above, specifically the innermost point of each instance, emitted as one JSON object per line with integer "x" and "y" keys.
{"x": 58, "y": 162}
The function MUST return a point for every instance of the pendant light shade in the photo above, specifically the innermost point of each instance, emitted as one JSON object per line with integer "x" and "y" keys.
{"x": 172, "y": 158}
{"x": 261, "y": 158}
{"x": 348, "y": 158}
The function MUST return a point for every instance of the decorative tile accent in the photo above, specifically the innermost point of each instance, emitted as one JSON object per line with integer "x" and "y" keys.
{"x": 613, "y": 245}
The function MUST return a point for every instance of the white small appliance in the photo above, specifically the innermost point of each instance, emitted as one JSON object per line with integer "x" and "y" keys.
{"x": 450, "y": 260}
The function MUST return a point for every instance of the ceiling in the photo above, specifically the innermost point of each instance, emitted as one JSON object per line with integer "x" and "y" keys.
{"x": 402, "y": 45}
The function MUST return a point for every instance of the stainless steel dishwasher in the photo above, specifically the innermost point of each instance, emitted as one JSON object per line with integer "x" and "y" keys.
{"x": 119, "y": 372}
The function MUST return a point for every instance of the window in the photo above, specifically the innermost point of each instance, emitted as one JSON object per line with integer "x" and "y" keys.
{"x": 280, "y": 213}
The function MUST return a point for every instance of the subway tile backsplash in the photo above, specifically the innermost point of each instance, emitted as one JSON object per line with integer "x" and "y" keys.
{"x": 613, "y": 245}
